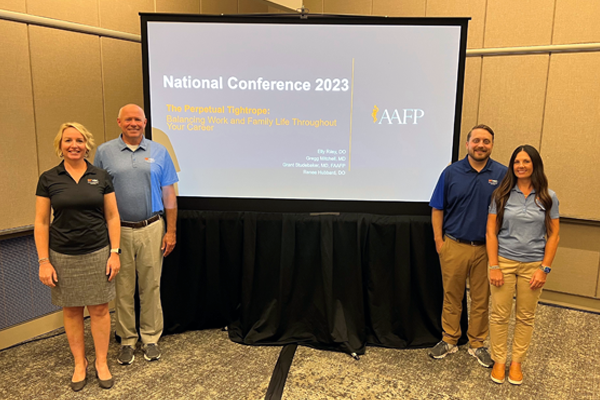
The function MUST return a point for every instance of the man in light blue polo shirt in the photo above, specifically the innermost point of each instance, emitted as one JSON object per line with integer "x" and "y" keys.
{"x": 144, "y": 178}
{"x": 459, "y": 214}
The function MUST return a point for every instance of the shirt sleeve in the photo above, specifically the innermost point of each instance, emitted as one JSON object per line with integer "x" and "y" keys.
{"x": 108, "y": 183}
{"x": 169, "y": 175}
{"x": 437, "y": 198}
{"x": 98, "y": 159}
{"x": 554, "y": 214}
{"x": 42, "y": 187}
{"x": 492, "y": 207}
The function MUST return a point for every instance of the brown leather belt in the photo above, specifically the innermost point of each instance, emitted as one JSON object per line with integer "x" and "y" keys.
{"x": 472, "y": 243}
{"x": 140, "y": 224}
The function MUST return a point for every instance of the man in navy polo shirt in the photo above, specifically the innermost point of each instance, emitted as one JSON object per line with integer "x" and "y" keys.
{"x": 144, "y": 177}
{"x": 459, "y": 214}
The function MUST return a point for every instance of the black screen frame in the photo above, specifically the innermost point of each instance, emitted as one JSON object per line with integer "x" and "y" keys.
{"x": 313, "y": 205}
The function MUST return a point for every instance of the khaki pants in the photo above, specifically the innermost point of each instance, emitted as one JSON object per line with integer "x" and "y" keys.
{"x": 460, "y": 261}
{"x": 516, "y": 278}
{"x": 141, "y": 256}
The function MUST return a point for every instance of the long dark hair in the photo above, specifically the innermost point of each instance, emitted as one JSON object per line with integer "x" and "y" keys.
{"x": 538, "y": 180}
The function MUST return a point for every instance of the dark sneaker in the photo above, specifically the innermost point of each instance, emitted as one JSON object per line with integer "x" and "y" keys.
{"x": 482, "y": 355}
{"x": 442, "y": 349}
{"x": 125, "y": 356}
{"x": 151, "y": 351}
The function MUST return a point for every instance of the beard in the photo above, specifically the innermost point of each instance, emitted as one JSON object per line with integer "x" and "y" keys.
{"x": 473, "y": 154}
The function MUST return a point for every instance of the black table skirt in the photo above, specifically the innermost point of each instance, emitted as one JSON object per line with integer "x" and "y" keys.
{"x": 331, "y": 282}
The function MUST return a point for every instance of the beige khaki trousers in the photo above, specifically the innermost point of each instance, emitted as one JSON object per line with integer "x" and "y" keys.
{"x": 460, "y": 262}
{"x": 141, "y": 255}
{"x": 516, "y": 279}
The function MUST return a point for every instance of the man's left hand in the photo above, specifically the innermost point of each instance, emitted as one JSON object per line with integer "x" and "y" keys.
{"x": 168, "y": 243}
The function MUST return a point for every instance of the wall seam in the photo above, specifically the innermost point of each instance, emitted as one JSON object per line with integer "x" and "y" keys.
{"x": 479, "y": 92}
{"x": 545, "y": 103}
{"x": 482, "y": 58}
{"x": 99, "y": 14}
{"x": 35, "y": 127}
{"x": 102, "y": 76}
{"x": 553, "y": 23}
{"x": 597, "y": 279}
{"x": 485, "y": 11}
{"x": 546, "y": 89}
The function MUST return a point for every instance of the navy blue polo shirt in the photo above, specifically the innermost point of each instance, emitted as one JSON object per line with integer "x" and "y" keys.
{"x": 464, "y": 195}
{"x": 79, "y": 226}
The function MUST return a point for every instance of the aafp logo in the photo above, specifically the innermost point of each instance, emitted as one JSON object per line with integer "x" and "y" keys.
{"x": 395, "y": 116}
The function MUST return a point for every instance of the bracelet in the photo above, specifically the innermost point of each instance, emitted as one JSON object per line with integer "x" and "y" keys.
{"x": 44, "y": 260}
{"x": 494, "y": 267}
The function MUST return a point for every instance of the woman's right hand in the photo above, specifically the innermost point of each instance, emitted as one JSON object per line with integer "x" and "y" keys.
{"x": 496, "y": 277}
{"x": 48, "y": 274}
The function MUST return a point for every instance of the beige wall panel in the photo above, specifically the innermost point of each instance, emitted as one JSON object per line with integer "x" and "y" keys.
{"x": 518, "y": 23}
{"x": 576, "y": 21}
{"x": 470, "y": 100}
{"x": 123, "y": 15}
{"x": 252, "y": 7}
{"x": 13, "y": 5}
{"x": 462, "y": 8}
{"x": 83, "y": 12}
{"x": 399, "y": 8}
{"x": 357, "y": 7}
{"x": 18, "y": 160}
{"x": 219, "y": 6}
{"x": 178, "y": 6}
{"x": 67, "y": 85}
{"x": 123, "y": 81}
{"x": 570, "y": 140}
{"x": 512, "y": 101}
{"x": 314, "y": 6}
{"x": 578, "y": 236}
{"x": 277, "y": 10}
{"x": 574, "y": 271}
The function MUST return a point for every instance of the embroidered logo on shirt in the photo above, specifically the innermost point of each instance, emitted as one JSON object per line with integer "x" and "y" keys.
{"x": 492, "y": 182}
{"x": 93, "y": 181}
{"x": 149, "y": 159}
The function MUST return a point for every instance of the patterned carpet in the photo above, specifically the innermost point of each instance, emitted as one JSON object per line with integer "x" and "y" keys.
{"x": 562, "y": 364}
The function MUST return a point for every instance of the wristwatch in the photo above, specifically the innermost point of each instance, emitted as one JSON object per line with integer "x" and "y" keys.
{"x": 545, "y": 269}
{"x": 117, "y": 250}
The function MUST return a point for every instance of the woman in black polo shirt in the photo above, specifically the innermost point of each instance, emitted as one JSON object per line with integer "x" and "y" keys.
{"x": 79, "y": 251}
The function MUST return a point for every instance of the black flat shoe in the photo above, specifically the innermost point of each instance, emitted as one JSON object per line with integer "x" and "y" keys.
{"x": 77, "y": 386}
{"x": 106, "y": 383}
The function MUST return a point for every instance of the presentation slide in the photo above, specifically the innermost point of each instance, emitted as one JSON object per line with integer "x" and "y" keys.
{"x": 305, "y": 111}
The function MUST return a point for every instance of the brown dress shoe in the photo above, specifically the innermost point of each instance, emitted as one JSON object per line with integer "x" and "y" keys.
{"x": 515, "y": 375}
{"x": 498, "y": 373}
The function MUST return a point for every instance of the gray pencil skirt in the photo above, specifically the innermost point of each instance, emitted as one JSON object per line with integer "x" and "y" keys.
{"x": 82, "y": 279}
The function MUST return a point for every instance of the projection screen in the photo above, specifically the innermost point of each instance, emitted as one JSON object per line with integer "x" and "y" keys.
{"x": 305, "y": 114}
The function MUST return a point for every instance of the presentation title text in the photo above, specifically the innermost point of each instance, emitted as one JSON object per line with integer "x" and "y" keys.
{"x": 260, "y": 83}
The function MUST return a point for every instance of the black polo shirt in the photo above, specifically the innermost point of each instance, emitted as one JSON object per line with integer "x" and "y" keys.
{"x": 79, "y": 226}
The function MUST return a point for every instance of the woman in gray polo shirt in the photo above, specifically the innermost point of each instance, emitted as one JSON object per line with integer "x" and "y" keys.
{"x": 522, "y": 238}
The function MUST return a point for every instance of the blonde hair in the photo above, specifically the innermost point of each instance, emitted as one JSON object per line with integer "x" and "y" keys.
{"x": 87, "y": 136}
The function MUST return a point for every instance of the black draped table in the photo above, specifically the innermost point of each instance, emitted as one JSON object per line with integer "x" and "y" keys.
{"x": 335, "y": 282}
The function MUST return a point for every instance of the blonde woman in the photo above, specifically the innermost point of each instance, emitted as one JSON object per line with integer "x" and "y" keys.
{"x": 79, "y": 250}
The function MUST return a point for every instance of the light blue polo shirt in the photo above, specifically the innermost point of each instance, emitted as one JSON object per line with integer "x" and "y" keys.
{"x": 138, "y": 176}
{"x": 523, "y": 233}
